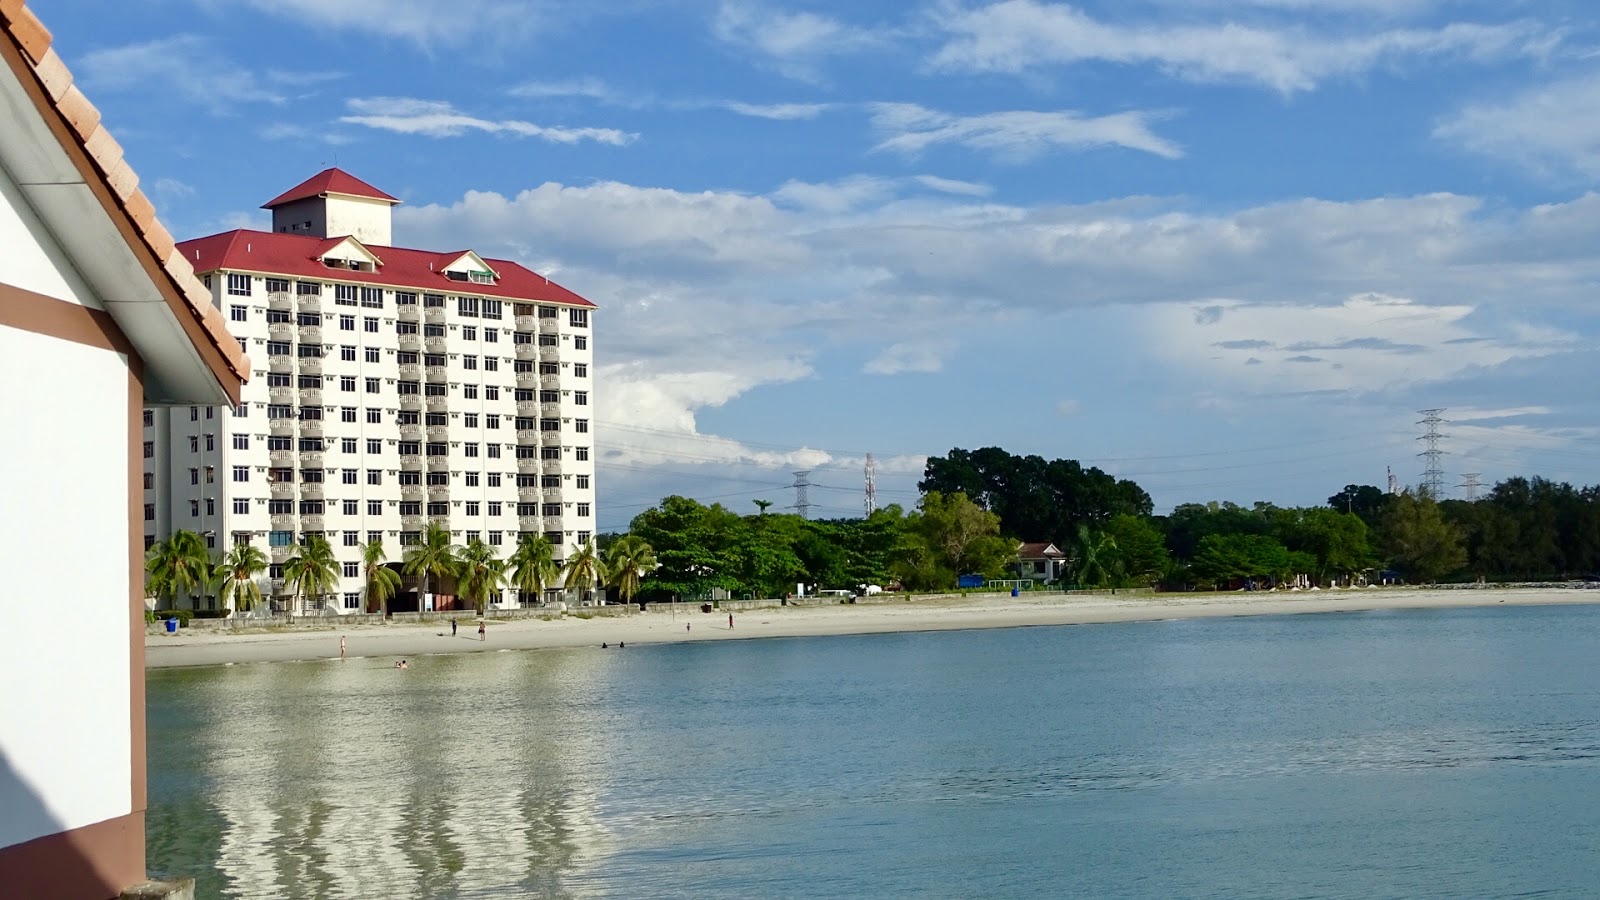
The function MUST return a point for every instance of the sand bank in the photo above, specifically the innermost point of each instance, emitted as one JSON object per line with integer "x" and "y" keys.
{"x": 195, "y": 648}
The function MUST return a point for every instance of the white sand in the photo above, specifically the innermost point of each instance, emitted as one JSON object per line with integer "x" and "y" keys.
{"x": 199, "y": 648}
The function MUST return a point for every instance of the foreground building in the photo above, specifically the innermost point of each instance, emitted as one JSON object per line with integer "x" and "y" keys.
{"x": 100, "y": 318}
{"x": 393, "y": 387}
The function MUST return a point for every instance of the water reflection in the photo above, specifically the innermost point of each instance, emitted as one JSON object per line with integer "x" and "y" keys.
{"x": 462, "y": 776}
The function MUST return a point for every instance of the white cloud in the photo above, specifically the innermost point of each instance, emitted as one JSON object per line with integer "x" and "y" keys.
{"x": 1016, "y": 136}
{"x": 954, "y": 186}
{"x": 1552, "y": 129}
{"x": 908, "y": 356}
{"x": 184, "y": 65}
{"x": 779, "y": 111}
{"x": 794, "y": 43}
{"x": 589, "y": 88}
{"x": 1066, "y": 408}
{"x": 428, "y": 23}
{"x": 438, "y": 118}
{"x": 1473, "y": 414}
{"x": 1017, "y": 35}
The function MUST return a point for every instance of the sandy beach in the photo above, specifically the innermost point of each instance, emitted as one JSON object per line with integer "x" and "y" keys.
{"x": 659, "y": 626}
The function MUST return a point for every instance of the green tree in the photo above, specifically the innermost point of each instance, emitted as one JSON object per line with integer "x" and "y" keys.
{"x": 1094, "y": 558}
{"x": 235, "y": 577}
{"x": 946, "y": 537}
{"x": 1142, "y": 557}
{"x": 583, "y": 571}
{"x": 1222, "y": 558}
{"x": 382, "y": 582}
{"x": 313, "y": 571}
{"x": 1335, "y": 540}
{"x": 1034, "y": 498}
{"x": 533, "y": 566}
{"x": 177, "y": 566}
{"x": 480, "y": 573}
{"x": 432, "y": 557}
{"x": 762, "y": 506}
{"x": 626, "y": 561}
{"x": 1419, "y": 542}
{"x": 1364, "y": 501}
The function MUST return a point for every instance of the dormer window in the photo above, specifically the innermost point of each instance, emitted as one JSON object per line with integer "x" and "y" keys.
{"x": 482, "y": 277}
{"x": 456, "y": 276}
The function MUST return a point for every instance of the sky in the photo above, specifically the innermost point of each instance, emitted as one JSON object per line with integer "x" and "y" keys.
{"x": 1226, "y": 248}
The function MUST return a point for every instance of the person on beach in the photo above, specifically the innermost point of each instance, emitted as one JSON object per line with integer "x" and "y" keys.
{"x": 481, "y": 632}
{"x": 401, "y": 665}
{"x": 688, "y": 626}
{"x": 730, "y": 621}
{"x": 341, "y": 646}
{"x": 452, "y": 627}
{"x": 602, "y": 645}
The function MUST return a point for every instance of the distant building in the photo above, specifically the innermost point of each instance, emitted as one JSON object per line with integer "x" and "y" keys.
{"x": 100, "y": 318}
{"x": 1042, "y": 562}
{"x": 393, "y": 388}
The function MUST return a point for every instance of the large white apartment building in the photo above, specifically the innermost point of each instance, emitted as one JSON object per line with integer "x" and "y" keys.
{"x": 392, "y": 387}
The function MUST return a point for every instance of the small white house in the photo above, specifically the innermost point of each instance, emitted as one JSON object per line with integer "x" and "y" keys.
{"x": 99, "y": 318}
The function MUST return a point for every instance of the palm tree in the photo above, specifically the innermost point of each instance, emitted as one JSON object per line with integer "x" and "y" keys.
{"x": 533, "y": 565}
{"x": 480, "y": 573}
{"x": 313, "y": 570}
{"x": 432, "y": 557}
{"x": 762, "y": 505}
{"x": 583, "y": 570}
{"x": 178, "y": 565}
{"x": 1095, "y": 557}
{"x": 626, "y": 560}
{"x": 382, "y": 582}
{"x": 235, "y": 577}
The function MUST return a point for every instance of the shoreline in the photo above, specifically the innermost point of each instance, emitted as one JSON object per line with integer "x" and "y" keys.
{"x": 189, "y": 649}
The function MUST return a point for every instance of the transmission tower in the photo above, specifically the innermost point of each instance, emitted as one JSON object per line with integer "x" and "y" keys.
{"x": 802, "y": 503}
{"x": 1469, "y": 485}
{"x": 1432, "y": 458}
{"x": 1394, "y": 482}
{"x": 871, "y": 501}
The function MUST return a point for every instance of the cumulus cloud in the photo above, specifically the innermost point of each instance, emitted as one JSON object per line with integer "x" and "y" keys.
{"x": 910, "y": 129}
{"x": 1017, "y": 35}
{"x": 438, "y": 118}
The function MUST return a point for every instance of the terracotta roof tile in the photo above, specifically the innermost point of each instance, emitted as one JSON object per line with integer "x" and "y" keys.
{"x": 99, "y": 159}
{"x": 329, "y": 181}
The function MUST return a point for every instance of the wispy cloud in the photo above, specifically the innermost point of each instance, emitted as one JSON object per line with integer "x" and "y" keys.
{"x": 1018, "y": 35}
{"x": 427, "y": 23}
{"x": 1015, "y": 136}
{"x": 909, "y": 356}
{"x": 1552, "y": 129}
{"x": 588, "y": 88}
{"x": 953, "y": 186}
{"x": 795, "y": 43}
{"x": 438, "y": 118}
{"x": 779, "y": 111}
{"x": 184, "y": 65}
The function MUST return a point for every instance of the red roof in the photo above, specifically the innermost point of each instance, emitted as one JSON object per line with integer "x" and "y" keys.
{"x": 329, "y": 181}
{"x": 299, "y": 256}
{"x": 1039, "y": 550}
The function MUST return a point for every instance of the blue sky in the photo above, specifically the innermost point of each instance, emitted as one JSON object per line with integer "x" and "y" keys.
{"x": 1224, "y": 248}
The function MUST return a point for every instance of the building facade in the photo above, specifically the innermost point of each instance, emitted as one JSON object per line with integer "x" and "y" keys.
{"x": 393, "y": 387}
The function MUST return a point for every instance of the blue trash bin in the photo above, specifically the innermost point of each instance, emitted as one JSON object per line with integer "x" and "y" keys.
{"x": 172, "y": 625}
{"x": 1013, "y": 590}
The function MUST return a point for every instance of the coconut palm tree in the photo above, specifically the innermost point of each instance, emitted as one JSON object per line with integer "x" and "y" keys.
{"x": 235, "y": 577}
{"x": 533, "y": 565}
{"x": 762, "y": 505}
{"x": 178, "y": 565}
{"x": 480, "y": 573}
{"x": 432, "y": 557}
{"x": 382, "y": 582}
{"x": 583, "y": 570}
{"x": 1094, "y": 558}
{"x": 313, "y": 571}
{"x": 626, "y": 560}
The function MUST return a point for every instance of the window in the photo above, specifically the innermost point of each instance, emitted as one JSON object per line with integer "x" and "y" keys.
{"x": 308, "y": 351}
{"x": 496, "y": 538}
{"x": 547, "y": 339}
{"x": 239, "y": 285}
{"x": 241, "y": 442}
{"x": 349, "y": 476}
{"x": 547, "y": 481}
{"x": 352, "y": 599}
{"x": 472, "y": 507}
{"x": 405, "y": 328}
{"x": 277, "y": 348}
{"x": 580, "y": 398}
{"x": 494, "y": 479}
{"x": 469, "y": 450}
{"x": 491, "y": 336}
{"x": 583, "y": 482}
{"x": 491, "y": 308}
{"x": 347, "y": 353}
{"x": 352, "y": 539}
{"x": 375, "y": 507}
{"x": 491, "y": 392}
{"x": 149, "y": 512}
{"x": 581, "y": 426}
{"x": 469, "y": 391}
{"x": 373, "y": 385}
{"x": 149, "y": 449}
{"x": 239, "y": 313}
{"x": 373, "y": 355}
{"x": 241, "y": 473}
{"x": 194, "y": 413}
{"x": 467, "y": 306}
{"x": 280, "y": 411}
{"x": 347, "y": 383}
{"x": 149, "y": 417}
{"x": 481, "y": 277}
{"x": 549, "y": 368}
{"x": 278, "y": 317}
{"x": 344, "y": 295}
{"x": 351, "y": 569}
{"x": 580, "y": 453}
{"x": 374, "y": 536}
{"x": 347, "y": 445}
{"x": 491, "y": 421}
{"x": 352, "y": 508}
{"x": 491, "y": 364}
{"x": 578, "y": 318}
{"x": 211, "y": 474}
{"x": 469, "y": 333}
{"x": 549, "y": 424}
{"x": 149, "y": 480}
{"x": 583, "y": 537}
{"x": 405, "y": 299}
{"x": 194, "y": 507}
{"x": 372, "y": 298}
{"x": 347, "y": 323}
{"x": 374, "y": 417}
{"x": 474, "y": 536}
{"x": 493, "y": 450}
{"x": 211, "y": 442}
{"x": 550, "y": 510}
{"x": 277, "y": 285}
{"x": 410, "y": 538}
{"x": 374, "y": 476}
{"x": 410, "y": 507}
{"x": 211, "y": 506}
{"x": 583, "y": 510}
{"x": 369, "y": 324}
{"x": 547, "y": 312}
{"x": 580, "y": 342}
{"x": 438, "y": 510}
{"x": 241, "y": 506}
{"x": 194, "y": 443}
{"x": 470, "y": 363}
{"x": 494, "y": 507}
{"x": 470, "y": 420}
{"x": 305, "y": 288}
{"x": 374, "y": 445}
{"x": 347, "y": 413}
{"x": 242, "y": 410}
{"x": 580, "y": 370}
{"x": 549, "y": 452}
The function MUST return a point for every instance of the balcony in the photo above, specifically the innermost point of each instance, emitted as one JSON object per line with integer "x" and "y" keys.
{"x": 282, "y": 521}
{"x": 527, "y": 380}
{"x": 550, "y": 438}
{"x": 434, "y": 314}
{"x": 310, "y": 334}
{"x": 411, "y": 464}
{"x": 282, "y": 364}
{"x": 409, "y": 313}
{"x": 549, "y": 354}
{"x": 550, "y": 410}
{"x": 311, "y": 490}
{"x": 311, "y": 523}
{"x": 551, "y": 381}
{"x": 528, "y": 436}
{"x": 311, "y": 428}
{"x": 437, "y": 373}
{"x": 530, "y": 494}
{"x": 280, "y": 300}
{"x": 411, "y": 372}
{"x": 438, "y": 492}
{"x": 527, "y": 323}
{"x": 411, "y": 432}
{"x": 411, "y": 342}
{"x": 284, "y": 395}
{"x": 412, "y": 523}
{"x": 551, "y": 466}
{"x": 550, "y": 325}
{"x": 529, "y": 523}
{"x": 281, "y": 555}
{"x": 411, "y": 402}
{"x": 438, "y": 404}
{"x": 527, "y": 466}
{"x": 281, "y": 331}
{"x": 310, "y": 365}
{"x": 527, "y": 351}
{"x": 311, "y": 396}
{"x": 552, "y": 495}
{"x": 434, "y": 343}
{"x": 281, "y": 427}
{"x": 282, "y": 490}
{"x": 438, "y": 464}
{"x": 308, "y": 302}
{"x": 439, "y": 432}
{"x": 311, "y": 459}
{"x": 411, "y": 492}
{"x": 282, "y": 457}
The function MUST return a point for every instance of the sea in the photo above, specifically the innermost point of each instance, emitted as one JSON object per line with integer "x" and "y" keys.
{"x": 1408, "y": 754}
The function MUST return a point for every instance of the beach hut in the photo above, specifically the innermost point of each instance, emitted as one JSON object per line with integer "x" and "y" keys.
{"x": 99, "y": 319}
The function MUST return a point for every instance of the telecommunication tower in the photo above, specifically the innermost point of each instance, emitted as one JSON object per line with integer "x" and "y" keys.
{"x": 802, "y": 503}
{"x": 1433, "y": 458}
{"x": 1469, "y": 485}
{"x": 871, "y": 501}
{"x": 1394, "y": 483}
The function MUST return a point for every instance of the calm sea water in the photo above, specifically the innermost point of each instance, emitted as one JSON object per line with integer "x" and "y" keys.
{"x": 1408, "y": 754}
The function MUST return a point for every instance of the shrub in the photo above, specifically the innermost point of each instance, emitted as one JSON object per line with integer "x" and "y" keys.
{"x": 184, "y": 616}
{"x": 210, "y": 614}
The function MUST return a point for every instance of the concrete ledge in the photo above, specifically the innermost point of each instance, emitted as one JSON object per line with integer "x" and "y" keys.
{"x": 180, "y": 889}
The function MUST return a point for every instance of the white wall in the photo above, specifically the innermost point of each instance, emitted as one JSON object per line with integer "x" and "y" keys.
{"x": 38, "y": 265}
{"x": 64, "y": 650}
